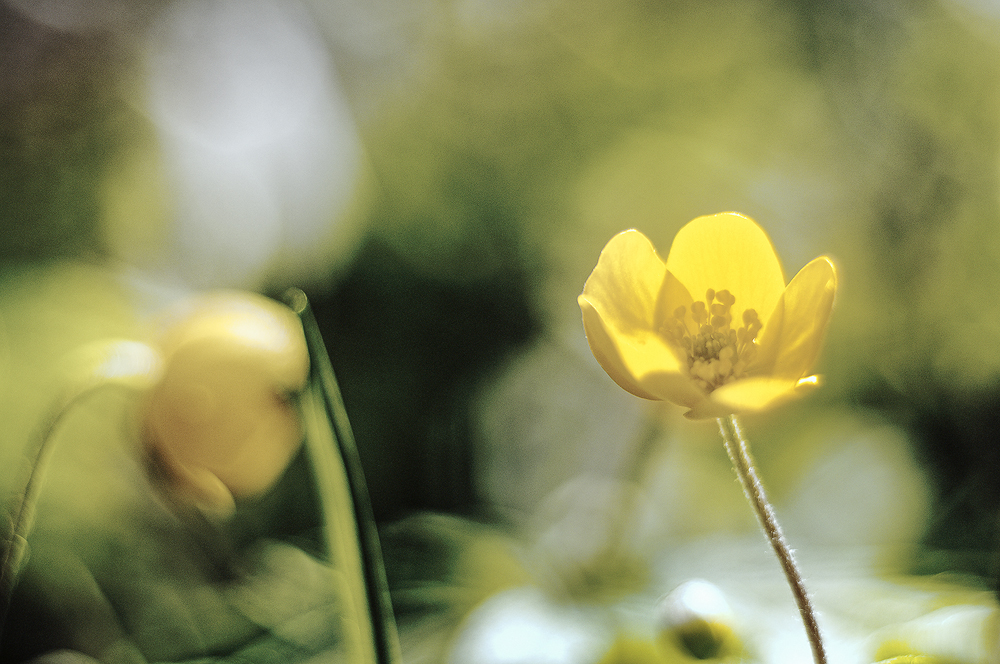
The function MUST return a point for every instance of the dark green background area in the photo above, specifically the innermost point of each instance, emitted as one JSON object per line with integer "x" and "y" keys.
{"x": 411, "y": 352}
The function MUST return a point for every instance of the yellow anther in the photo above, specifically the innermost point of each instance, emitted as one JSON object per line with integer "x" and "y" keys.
{"x": 698, "y": 313}
{"x": 703, "y": 334}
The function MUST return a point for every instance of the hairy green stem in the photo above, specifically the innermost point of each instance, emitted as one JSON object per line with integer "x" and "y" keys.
{"x": 739, "y": 453}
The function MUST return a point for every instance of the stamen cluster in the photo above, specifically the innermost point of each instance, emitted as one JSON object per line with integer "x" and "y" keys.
{"x": 716, "y": 353}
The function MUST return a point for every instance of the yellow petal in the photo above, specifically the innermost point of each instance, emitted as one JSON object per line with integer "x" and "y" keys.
{"x": 707, "y": 408}
{"x": 728, "y": 251}
{"x": 624, "y": 286}
{"x": 619, "y": 303}
{"x": 672, "y": 295}
{"x": 604, "y": 345}
{"x": 674, "y": 386}
{"x": 751, "y": 395}
{"x": 793, "y": 333}
{"x": 640, "y": 361}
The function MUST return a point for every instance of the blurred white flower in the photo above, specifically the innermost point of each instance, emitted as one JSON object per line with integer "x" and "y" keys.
{"x": 525, "y": 626}
{"x": 260, "y": 149}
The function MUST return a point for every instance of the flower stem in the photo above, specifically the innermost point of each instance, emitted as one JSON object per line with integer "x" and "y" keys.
{"x": 739, "y": 452}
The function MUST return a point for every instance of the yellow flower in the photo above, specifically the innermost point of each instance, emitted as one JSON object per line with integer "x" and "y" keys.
{"x": 657, "y": 341}
{"x": 219, "y": 421}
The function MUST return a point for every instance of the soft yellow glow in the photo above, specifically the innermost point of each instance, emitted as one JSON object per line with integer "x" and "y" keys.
{"x": 129, "y": 360}
{"x": 714, "y": 328}
{"x": 219, "y": 419}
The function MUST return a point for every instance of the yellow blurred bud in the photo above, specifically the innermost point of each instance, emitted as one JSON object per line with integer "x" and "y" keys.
{"x": 220, "y": 421}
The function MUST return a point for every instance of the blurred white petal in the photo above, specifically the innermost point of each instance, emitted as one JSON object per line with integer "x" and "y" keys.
{"x": 524, "y": 626}
{"x": 259, "y": 144}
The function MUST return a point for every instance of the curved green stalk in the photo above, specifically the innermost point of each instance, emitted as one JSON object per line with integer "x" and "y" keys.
{"x": 23, "y": 509}
{"x": 352, "y": 538}
{"x": 739, "y": 452}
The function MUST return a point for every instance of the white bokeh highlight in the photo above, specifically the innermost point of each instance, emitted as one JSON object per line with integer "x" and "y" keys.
{"x": 258, "y": 141}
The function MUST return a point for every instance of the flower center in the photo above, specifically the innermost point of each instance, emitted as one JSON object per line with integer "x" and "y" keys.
{"x": 716, "y": 353}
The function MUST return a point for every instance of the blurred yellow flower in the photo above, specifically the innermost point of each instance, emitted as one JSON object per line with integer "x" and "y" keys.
{"x": 656, "y": 341}
{"x": 220, "y": 421}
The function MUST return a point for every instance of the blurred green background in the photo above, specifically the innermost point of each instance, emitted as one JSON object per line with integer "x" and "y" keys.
{"x": 440, "y": 177}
